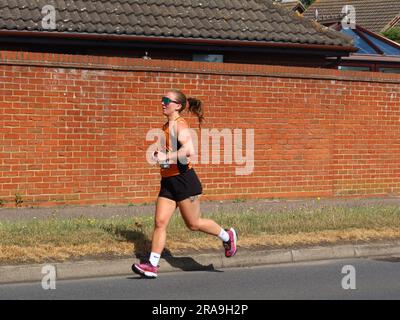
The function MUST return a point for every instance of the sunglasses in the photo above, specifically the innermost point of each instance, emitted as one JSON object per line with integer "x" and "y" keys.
{"x": 167, "y": 101}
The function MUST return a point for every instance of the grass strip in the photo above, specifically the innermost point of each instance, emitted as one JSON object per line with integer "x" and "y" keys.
{"x": 58, "y": 239}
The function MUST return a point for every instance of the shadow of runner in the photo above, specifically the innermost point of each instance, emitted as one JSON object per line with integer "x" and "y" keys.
{"x": 186, "y": 263}
{"x": 143, "y": 247}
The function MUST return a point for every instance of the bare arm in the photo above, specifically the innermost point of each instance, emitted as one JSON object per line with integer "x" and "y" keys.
{"x": 186, "y": 150}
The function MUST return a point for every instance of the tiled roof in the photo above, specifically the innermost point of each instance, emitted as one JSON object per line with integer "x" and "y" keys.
{"x": 245, "y": 20}
{"x": 373, "y": 15}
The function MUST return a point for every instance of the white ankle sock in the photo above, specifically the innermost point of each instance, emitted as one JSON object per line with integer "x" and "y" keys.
{"x": 223, "y": 235}
{"x": 154, "y": 259}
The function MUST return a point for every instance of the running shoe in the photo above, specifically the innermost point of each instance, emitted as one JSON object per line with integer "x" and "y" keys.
{"x": 230, "y": 245}
{"x": 145, "y": 269}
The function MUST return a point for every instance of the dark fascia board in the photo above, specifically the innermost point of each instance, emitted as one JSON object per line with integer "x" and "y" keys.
{"x": 181, "y": 41}
{"x": 372, "y": 57}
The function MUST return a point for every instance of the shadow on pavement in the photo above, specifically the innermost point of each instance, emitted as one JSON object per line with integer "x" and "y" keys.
{"x": 186, "y": 263}
{"x": 143, "y": 247}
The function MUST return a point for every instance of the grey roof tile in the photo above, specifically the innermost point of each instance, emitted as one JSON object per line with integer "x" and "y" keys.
{"x": 133, "y": 20}
{"x": 136, "y": 8}
{"x": 89, "y": 6}
{"x": 247, "y": 20}
{"x": 6, "y": 14}
{"x": 127, "y": 8}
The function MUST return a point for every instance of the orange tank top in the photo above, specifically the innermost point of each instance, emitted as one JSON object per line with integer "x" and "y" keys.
{"x": 172, "y": 144}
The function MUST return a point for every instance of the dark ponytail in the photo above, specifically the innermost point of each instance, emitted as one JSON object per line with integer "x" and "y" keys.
{"x": 196, "y": 107}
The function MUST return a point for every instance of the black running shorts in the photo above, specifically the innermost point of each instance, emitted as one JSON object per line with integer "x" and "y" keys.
{"x": 181, "y": 186}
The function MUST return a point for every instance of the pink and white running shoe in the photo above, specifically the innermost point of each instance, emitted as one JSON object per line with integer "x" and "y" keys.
{"x": 230, "y": 245}
{"x": 145, "y": 269}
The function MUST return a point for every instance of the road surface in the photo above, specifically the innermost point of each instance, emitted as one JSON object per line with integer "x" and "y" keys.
{"x": 374, "y": 278}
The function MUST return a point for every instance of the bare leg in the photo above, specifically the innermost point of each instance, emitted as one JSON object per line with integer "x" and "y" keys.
{"x": 190, "y": 211}
{"x": 164, "y": 211}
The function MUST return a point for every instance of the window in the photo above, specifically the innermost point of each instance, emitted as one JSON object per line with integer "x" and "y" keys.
{"x": 208, "y": 57}
{"x": 354, "y": 68}
{"x": 389, "y": 70}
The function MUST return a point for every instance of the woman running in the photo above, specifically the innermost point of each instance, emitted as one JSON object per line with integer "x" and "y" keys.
{"x": 180, "y": 186}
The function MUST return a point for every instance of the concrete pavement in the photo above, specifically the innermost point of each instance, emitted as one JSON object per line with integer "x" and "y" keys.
{"x": 199, "y": 261}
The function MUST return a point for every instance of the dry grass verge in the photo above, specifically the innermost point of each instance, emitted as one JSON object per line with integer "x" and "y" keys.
{"x": 65, "y": 239}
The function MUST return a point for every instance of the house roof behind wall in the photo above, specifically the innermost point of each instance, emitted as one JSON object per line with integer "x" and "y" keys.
{"x": 254, "y": 21}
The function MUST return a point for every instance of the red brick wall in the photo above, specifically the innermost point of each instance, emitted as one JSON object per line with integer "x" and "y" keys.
{"x": 73, "y": 128}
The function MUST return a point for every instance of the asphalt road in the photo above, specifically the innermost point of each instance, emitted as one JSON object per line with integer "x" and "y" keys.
{"x": 374, "y": 279}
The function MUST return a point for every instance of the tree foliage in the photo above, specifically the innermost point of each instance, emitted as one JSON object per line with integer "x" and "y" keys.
{"x": 308, "y": 3}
